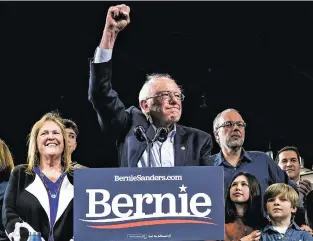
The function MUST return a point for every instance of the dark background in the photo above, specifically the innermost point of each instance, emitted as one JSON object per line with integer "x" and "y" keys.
{"x": 252, "y": 56}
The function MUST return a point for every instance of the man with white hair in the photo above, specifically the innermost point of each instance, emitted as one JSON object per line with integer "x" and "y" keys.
{"x": 160, "y": 100}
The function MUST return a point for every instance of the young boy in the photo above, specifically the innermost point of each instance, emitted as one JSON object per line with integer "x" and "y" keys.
{"x": 280, "y": 202}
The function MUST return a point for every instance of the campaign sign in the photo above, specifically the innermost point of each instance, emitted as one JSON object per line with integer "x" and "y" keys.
{"x": 175, "y": 203}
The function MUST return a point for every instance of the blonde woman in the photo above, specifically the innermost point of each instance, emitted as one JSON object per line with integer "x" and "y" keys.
{"x": 40, "y": 194}
{"x": 6, "y": 165}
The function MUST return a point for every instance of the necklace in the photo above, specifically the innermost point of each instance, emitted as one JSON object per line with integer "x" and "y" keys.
{"x": 60, "y": 180}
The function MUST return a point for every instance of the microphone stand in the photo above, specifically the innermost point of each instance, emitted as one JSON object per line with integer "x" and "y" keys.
{"x": 150, "y": 144}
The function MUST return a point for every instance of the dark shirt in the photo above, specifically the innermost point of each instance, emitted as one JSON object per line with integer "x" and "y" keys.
{"x": 293, "y": 233}
{"x": 256, "y": 163}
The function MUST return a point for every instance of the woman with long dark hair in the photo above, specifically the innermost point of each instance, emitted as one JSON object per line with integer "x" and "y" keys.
{"x": 243, "y": 209}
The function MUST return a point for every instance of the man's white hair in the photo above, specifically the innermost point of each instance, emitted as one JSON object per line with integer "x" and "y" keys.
{"x": 145, "y": 91}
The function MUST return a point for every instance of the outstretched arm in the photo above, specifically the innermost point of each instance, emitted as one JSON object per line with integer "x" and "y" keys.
{"x": 110, "y": 109}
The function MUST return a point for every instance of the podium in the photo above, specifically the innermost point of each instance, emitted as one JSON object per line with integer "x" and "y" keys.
{"x": 174, "y": 203}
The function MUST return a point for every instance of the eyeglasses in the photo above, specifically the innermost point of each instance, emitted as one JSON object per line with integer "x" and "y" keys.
{"x": 166, "y": 95}
{"x": 231, "y": 124}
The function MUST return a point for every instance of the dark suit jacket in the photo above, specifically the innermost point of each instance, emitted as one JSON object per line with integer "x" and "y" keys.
{"x": 26, "y": 200}
{"x": 192, "y": 146}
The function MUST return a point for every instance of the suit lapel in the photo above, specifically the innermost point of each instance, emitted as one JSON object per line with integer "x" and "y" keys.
{"x": 66, "y": 195}
{"x": 180, "y": 141}
{"x": 137, "y": 150}
{"x": 38, "y": 189}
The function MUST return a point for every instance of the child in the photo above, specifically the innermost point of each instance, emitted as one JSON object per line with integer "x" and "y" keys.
{"x": 280, "y": 202}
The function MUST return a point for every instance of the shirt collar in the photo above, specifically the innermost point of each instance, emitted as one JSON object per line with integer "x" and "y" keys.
{"x": 292, "y": 225}
{"x": 219, "y": 159}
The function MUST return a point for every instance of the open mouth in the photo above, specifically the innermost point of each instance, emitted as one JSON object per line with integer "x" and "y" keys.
{"x": 51, "y": 144}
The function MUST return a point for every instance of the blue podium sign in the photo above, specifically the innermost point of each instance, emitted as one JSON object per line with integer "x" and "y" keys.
{"x": 177, "y": 203}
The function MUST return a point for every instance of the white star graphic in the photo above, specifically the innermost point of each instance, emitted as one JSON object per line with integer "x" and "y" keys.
{"x": 183, "y": 188}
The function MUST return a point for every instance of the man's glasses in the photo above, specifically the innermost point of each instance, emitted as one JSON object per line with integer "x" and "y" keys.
{"x": 231, "y": 124}
{"x": 166, "y": 95}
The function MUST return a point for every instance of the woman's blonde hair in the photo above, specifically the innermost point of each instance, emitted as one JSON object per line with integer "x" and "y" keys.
{"x": 33, "y": 157}
{"x": 6, "y": 159}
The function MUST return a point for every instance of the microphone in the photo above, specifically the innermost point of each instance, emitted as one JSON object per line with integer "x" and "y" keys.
{"x": 140, "y": 134}
{"x": 160, "y": 135}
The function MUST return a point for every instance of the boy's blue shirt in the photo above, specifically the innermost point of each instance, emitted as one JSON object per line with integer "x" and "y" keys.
{"x": 293, "y": 233}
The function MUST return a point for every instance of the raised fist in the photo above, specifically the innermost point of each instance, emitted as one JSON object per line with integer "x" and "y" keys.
{"x": 117, "y": 18}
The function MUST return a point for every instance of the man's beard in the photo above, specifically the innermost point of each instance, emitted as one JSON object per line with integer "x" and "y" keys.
{"x": 235, "y": 145}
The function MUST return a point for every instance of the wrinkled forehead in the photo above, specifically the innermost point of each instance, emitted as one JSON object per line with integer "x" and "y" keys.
{"x": 230, "y": 116}
{"x": 164, "y": 84}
